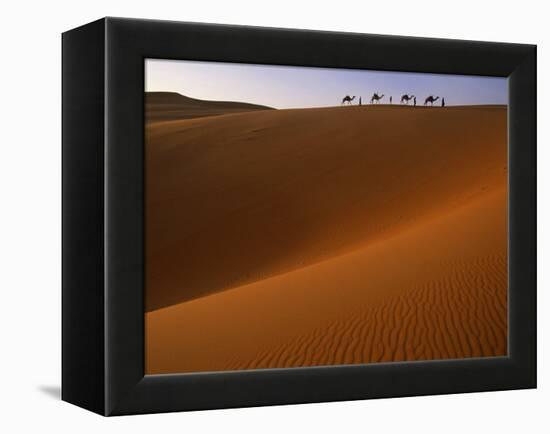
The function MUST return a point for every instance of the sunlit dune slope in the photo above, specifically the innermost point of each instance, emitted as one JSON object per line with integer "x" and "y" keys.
{"x": 236, "y": 199}
{"x": 436, "y": 290}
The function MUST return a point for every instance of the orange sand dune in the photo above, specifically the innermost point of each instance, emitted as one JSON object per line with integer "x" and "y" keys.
{"x": 435, "y": 290}
{"x": 257, "y": 196}
{"x": 169, "y": 106}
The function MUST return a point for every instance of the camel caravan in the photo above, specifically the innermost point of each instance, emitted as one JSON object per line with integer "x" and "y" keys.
{"x": 405, "y": 99}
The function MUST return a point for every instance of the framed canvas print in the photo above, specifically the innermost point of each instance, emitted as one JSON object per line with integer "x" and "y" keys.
{"x": 264, "y": 216}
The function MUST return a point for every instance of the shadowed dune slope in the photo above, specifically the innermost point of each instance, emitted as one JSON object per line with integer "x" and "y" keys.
{"x": 434, "y": 291}
{"x": 236, "y": 199}
{"x": 168, "y": 106}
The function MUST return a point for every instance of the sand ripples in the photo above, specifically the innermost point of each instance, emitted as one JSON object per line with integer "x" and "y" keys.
{"x": 462, "y": 315}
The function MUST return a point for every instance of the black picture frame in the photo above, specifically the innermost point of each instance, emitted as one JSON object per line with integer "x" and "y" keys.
{"x": 103, "y": 216}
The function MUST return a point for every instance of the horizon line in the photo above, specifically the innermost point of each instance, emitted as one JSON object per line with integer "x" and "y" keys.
{"x": 366, "y": 104}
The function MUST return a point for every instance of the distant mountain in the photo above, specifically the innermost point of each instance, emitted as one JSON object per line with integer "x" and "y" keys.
{"x": 166, "y": 106}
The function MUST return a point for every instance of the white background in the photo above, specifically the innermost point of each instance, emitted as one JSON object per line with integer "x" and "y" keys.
{"x": 30, "y": 186}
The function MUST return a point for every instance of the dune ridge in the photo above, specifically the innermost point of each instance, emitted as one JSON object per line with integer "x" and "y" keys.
{"x": 169, "y": 106}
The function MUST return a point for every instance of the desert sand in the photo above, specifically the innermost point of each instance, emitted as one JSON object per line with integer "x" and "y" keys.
{"x": 288, "y": 238}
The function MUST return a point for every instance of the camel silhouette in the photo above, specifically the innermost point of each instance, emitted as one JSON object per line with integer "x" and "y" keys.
{"x": 376, "y": 97}
{"x": 430, "y": 100}
{"x": 406, "y": 98}
{"x": 348, "y": 99}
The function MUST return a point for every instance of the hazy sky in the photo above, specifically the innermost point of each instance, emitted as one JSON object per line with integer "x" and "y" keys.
{"x": 295, "y": 87}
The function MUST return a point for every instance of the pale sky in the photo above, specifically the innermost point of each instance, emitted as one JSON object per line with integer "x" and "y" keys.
{"x": 301, "y": 87}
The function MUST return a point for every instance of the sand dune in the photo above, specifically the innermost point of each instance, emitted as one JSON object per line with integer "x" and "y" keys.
{"x": 169, "y": 106}
{"x": 236, "y": 199}
{"x": 326, "y": 236}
